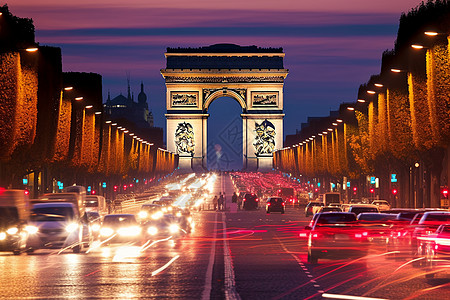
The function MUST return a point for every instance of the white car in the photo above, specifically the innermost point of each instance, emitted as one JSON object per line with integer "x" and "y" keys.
{"x": 382, "y": 204}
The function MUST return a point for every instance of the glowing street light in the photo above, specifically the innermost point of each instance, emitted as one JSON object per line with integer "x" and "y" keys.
{"x": 79, "y": 98}
{"x": 378, "y": 85}
{"x": 416, "y": 46}
{"x": 350, "y": 108}
{"x": 339, "y": 121}
{"x": 31, "y": 49}
{"x": 68, "y": 88}
{"x": 396, "y": 70}
{"x": 431, "y": 33}
{"x": 361, "y": 100}
{"x": 371, "y": 92}
{"x": 89, "y": 106}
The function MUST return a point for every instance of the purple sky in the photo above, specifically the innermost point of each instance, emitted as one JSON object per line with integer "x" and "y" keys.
{"x": 331, "y": 46}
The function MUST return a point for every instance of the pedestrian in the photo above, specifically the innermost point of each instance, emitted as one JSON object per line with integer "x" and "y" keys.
{"x": 224, "y": 202}
{"x": 239, "y": 202}
{"x": 221, "y": 202}
{"x": 234, "y": 198}
{"x": 215, "y": 201}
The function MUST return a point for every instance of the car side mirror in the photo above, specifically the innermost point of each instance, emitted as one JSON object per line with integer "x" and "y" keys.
{"x": 308, "y": 228}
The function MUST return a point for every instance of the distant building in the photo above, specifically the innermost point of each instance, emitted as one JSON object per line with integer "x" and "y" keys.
{"x": 125, "y": 107}
{"x": 133, "y": 115}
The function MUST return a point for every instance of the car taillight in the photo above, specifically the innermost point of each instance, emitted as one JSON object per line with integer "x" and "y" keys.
{"x": 257, "y": 199}
{"x": 436, "y": 247}
{"x": 360, "y": 235}
{"x": 315, "y": 235}
{"x": 282, "y": 203}
{"x": 268, "y": 204}
{"x": 244, "y": 200}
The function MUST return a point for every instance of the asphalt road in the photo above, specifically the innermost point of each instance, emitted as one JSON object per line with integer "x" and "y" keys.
{"x": 229, "y": 255}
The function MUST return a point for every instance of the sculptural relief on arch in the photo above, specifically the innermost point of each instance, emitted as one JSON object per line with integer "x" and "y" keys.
{"x": 195, "y": 77}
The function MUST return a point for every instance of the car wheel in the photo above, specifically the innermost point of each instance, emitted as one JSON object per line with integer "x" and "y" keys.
{"x": 76, "y": 249}
{"x": 312, "y": 259}
{"x": 267, "y": 211}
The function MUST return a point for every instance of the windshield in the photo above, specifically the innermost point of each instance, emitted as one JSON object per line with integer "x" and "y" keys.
{"x": 8, "y": 216}
{"x": 119, "y": 221}
{"x": 336, "y": 218}
{"x": 376, "y": 217}
{"x": 51, "y": 214}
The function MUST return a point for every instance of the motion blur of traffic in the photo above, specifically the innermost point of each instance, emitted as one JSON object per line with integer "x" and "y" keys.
{"x": 72, "y": 220}
{"x": 337, "y": 228}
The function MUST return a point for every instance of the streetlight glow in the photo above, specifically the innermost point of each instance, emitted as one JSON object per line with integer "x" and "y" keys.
{"x": 371, "y": 92}
{"x": 68, "y": 88}
{"x": 396, "y": 70}
{"x": 89, "y": 106}
{"x": 431, "y": 33}
{"x": 415, "y": 46}
{"x": 350, "y": 108}
{"x": 79, "y": 98}
{"x": 107, "y": 122}
{"x": 361, "y": 100}
{"x": 98, "y": 112}
{"x": 32, "y": 49}
{"x": 339, "y": 121}
{"x": 334, "y": 124}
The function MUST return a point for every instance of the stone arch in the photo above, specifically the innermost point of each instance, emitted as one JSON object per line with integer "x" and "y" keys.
{"x": 224, "y": 92}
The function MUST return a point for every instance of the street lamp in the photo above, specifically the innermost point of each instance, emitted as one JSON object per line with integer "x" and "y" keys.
{"x": 361, "y": 100}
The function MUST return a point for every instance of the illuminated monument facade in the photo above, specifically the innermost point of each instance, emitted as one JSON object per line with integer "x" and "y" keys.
{"x": 252, "y": 76}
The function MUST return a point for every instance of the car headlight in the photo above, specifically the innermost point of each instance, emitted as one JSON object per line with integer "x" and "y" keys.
{"x": 106, "y": 231}
{"x": 31, "y": 229}
{"x": 12, "y": 230}
{"x": 152, "y": 230}
{"x": 71, "y": 227}
{"x": 129, "y": 231}
{"x": 189, "y": 219}
{"x": 2, "y": 236}
{"x": 157, "y": 215}
{"x": 143, "y": 214}
{"x": 178, "y": 214}
{"x": 174, "y": 228}
{"x": 95, "y": 227}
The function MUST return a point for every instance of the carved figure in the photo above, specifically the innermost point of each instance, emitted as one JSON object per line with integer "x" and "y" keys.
{"x": 265, "y": 138}
{"x": 184, "y": 138}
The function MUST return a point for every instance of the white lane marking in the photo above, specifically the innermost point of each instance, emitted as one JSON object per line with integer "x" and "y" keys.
{"x": 156, "y": 272}
{"x": 209, "y": 270}
{"x": 230, "y": 283}
{"x": 349, "y": 297}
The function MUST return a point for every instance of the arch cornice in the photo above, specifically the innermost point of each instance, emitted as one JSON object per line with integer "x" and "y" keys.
{"x": 237, "y": 94}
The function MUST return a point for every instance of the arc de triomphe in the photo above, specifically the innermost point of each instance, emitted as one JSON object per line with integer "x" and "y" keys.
{"x": 252, "y": 76}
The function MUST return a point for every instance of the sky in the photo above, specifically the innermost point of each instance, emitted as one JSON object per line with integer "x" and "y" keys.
{"x": 331, "y": 46}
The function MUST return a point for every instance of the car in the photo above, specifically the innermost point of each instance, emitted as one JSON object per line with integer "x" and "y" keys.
{"x": 334, "y": 204}
{"x": 382, "y": 204}
{"x": 150, "y": 211}
{"x": 428, "y": 224}
{"x": 275, "y": 204}
{"x": 335, "y": 234}
{"x": 312, "y": 207}
{"x": 170, "y": 224}
{"x": 330, "y": 209}
{"x": 378, "y": 225}
{"x": 360, "y": 208}
{"x": 250, "y": 201}
{"x": 95, "y": 221}
{"x": 436, "y": 249}
{"x": 120, "y": 228}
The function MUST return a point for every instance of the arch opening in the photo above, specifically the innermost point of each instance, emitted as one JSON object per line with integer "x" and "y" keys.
{"x": 224, "y": 146}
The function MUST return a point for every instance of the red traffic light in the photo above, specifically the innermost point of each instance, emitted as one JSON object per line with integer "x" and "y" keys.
{"x": 316, "y": 190}
{"x": 372, "y": 190}
{"x": 354, "y": 189}
{"x": 394, "y": 191}
{"x": 445, "y": 193}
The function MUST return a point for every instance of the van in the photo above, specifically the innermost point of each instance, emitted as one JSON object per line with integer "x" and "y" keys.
{"x": 96, "y": 204}
{"x": 14, "y": 213}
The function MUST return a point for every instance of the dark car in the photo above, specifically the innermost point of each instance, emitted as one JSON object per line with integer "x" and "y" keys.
{"x": 335, "y": 234}
{"x": 250, "y": 201}
{"x": 275, "y": 204}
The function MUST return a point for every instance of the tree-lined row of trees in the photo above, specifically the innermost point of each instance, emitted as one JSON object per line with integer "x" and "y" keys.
{"x": 52, "y": 125}
{"x": 399, "y": 125}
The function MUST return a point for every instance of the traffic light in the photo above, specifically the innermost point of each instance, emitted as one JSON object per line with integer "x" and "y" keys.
{"x": 394, "y": 191}
{"x": 115, "y": 188}
{"x": 372, "y": 190}
{"x": 444, "y": 193}
{"x": 355, "y": 189}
